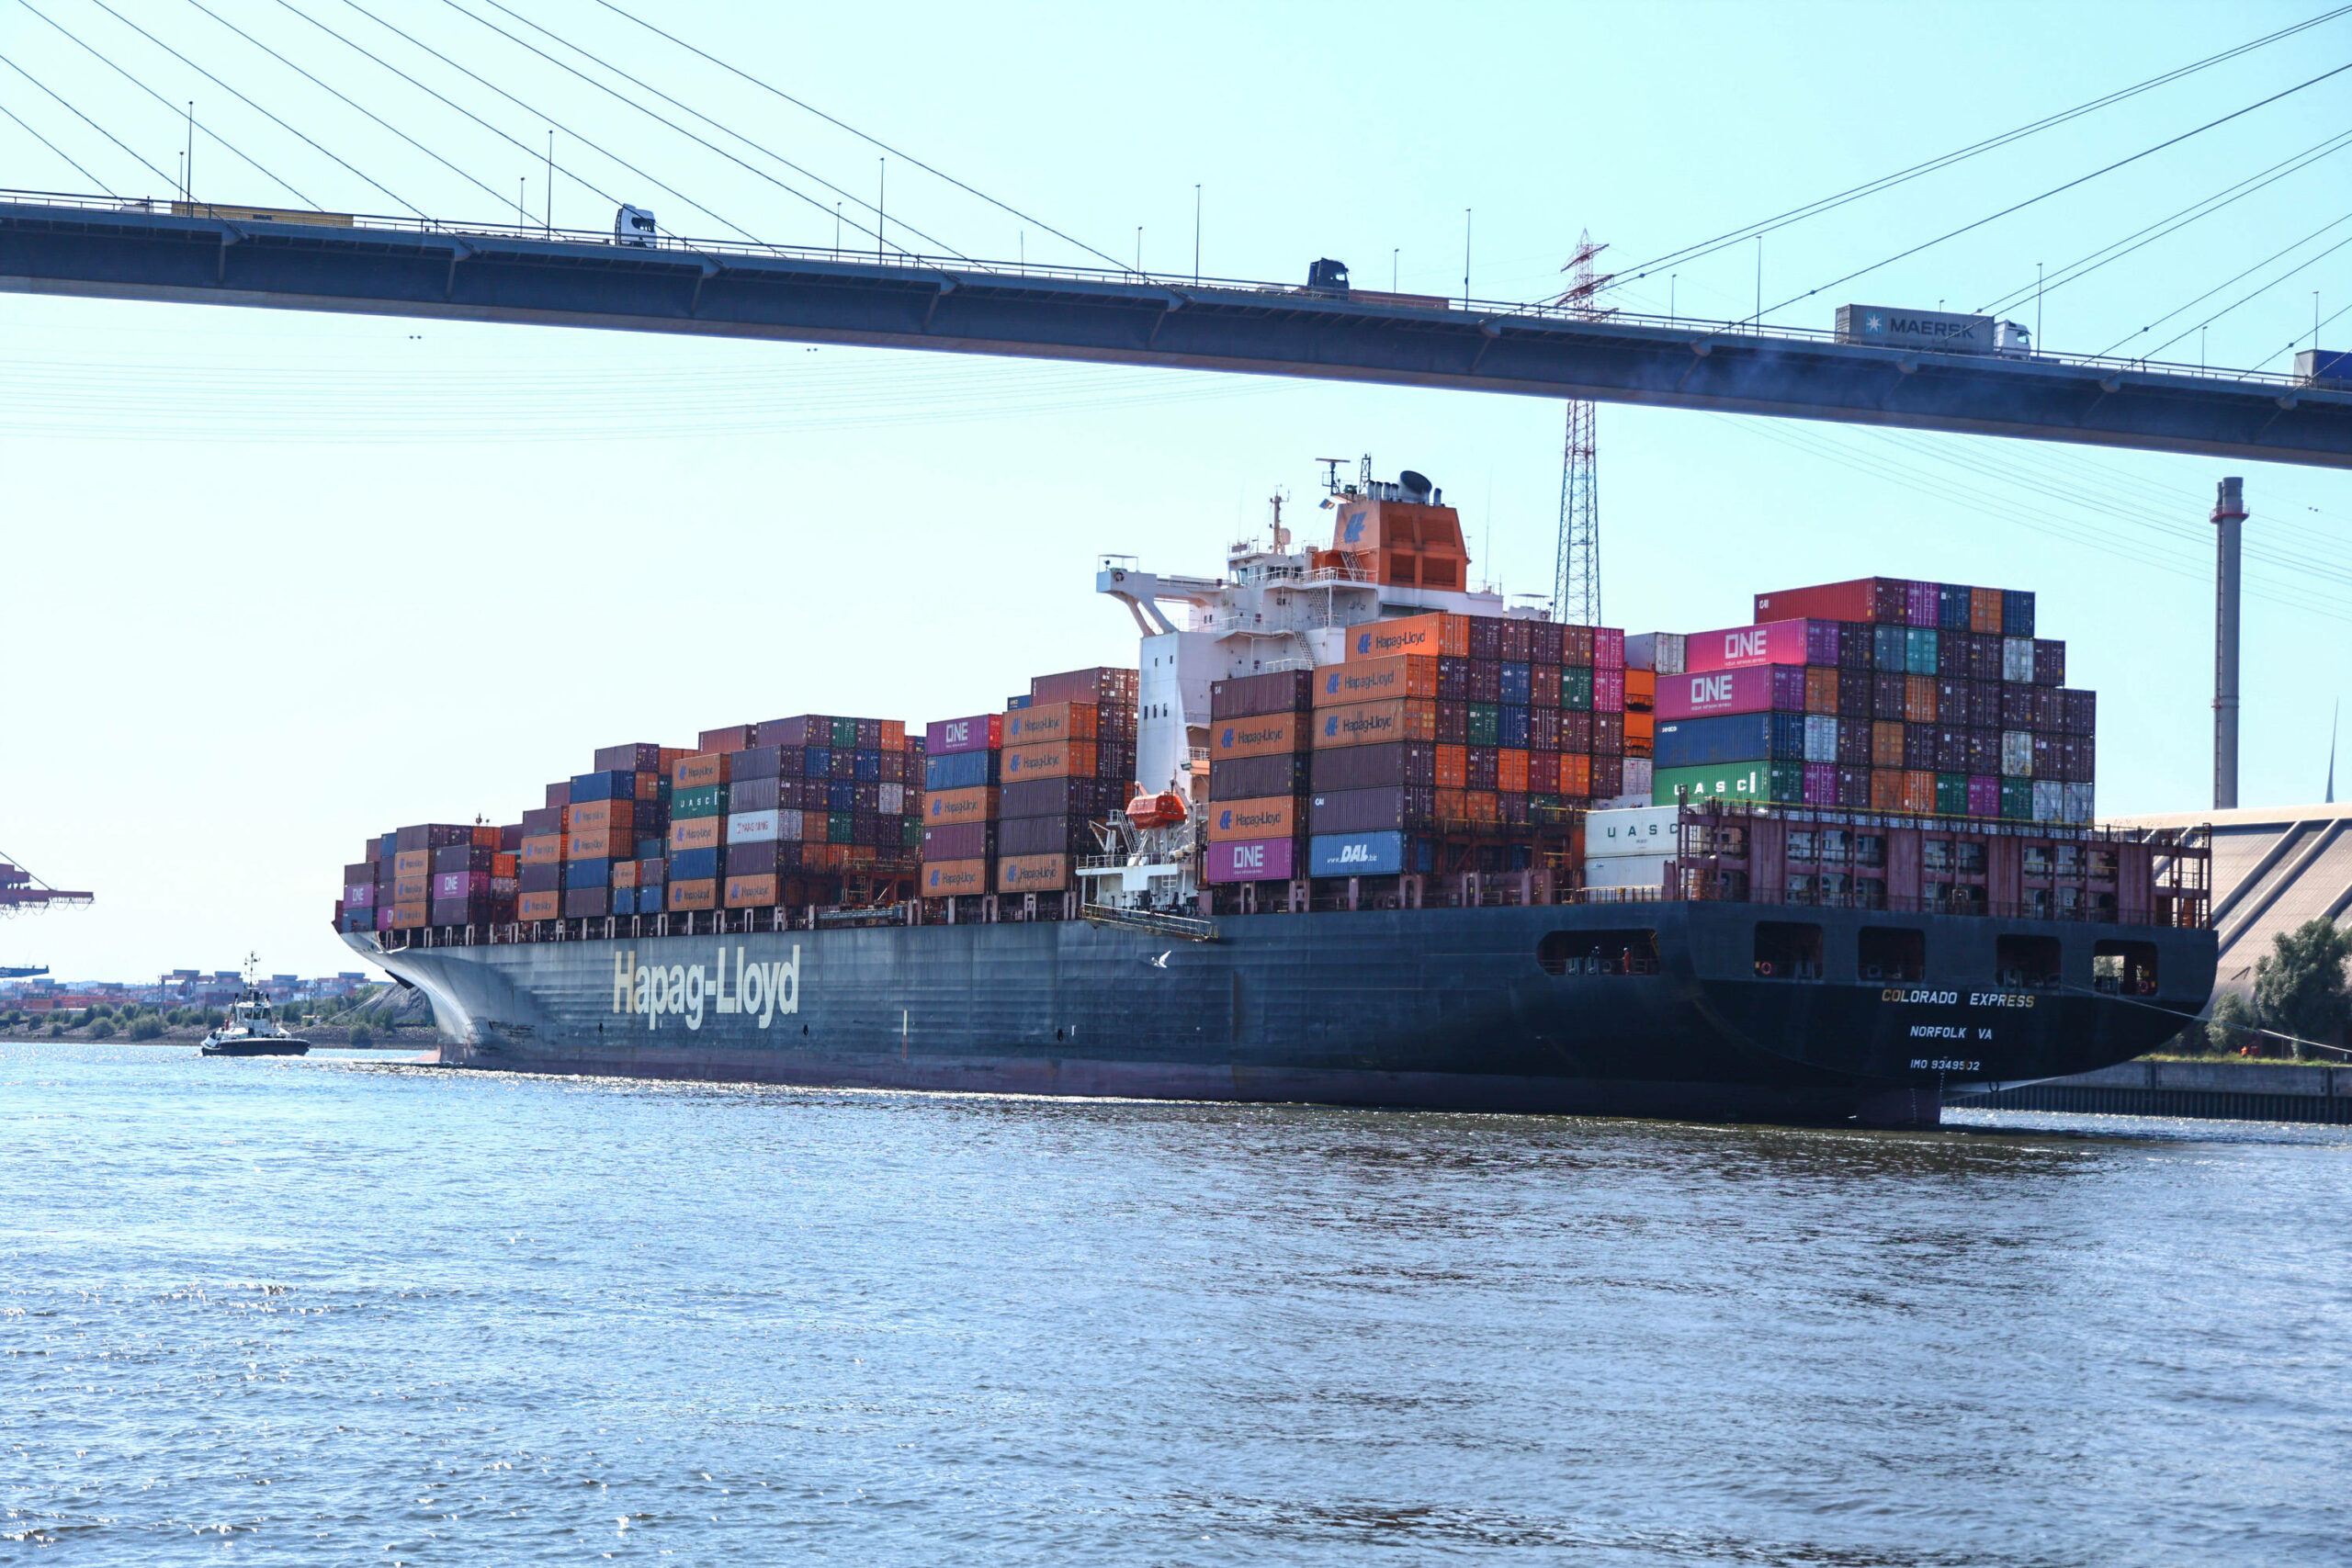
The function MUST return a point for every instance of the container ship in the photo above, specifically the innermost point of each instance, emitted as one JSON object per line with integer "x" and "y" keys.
{"x": 1352, "y": 831}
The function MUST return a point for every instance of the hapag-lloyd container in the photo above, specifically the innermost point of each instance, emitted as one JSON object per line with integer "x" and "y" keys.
{"x": 1754, "y": 688}
{"x": 1772, "y": 642}
{"x": 1375, "y": 679}
{"x": 947, "y": 807}
{"x": 1253, "y": 860}
{"x": 1259, "y": 735}
{"x": 951, "y": 879}
{"x": 1376, "y": 724}
{"x": 1039, "y": 723}
{"x": 1033, "y": 874}
{"x": 1430, "y": 635}
{"x": 1271, "y": 816}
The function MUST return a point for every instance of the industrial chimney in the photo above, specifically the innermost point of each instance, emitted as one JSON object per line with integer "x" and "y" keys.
{"x": 2229, "y": 517}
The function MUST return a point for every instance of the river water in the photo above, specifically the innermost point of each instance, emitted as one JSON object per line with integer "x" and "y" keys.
{"x": 342, "y": 1310}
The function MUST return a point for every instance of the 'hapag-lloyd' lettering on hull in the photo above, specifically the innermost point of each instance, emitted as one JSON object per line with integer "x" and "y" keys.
{"x": 763, "y": 989}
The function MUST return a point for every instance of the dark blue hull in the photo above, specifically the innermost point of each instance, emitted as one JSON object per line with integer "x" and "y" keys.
{"x": 1452, "y": 1008}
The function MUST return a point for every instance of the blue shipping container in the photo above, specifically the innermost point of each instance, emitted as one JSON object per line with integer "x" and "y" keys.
{"x": 841, "y": 794}
{"x": 1888, "y": 648}
{"x": 587, "y": 874}
{"x": 959, "y": 770}
{"x": 864, "y": 764}
{"x": 1513, "y": 729}
{"x": 694, "y": 865}
{"x": 1919, "y": 650}
{"x": 587, "y": 787}
{"x": 1355, "y": 854}
{"x": 2016, "y": 613}
{"x": 1518, "y": 681}
{"x": 1733, "y": 738}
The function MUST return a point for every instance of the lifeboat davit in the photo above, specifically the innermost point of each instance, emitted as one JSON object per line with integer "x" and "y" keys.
{"x": 1164, "y": 811}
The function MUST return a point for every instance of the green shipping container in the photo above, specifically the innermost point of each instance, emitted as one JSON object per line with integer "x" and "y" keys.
{"x": 708, "y": 800}
{"x": 1486, "y": 724}
{"x": 1778, "y": 783}
{"x": 845, "y": 733}
{"x": 837, "y": 827}
{"x": 1920, "y": 651}
{"x": 911, "y": 833}
{"x": 2017, "y": 800}
{"x": 1575, "y": 688}
{"x": 1951, "y": 795}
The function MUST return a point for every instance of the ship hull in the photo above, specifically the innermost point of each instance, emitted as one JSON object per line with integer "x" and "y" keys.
{"x": 1443, "y": 1009}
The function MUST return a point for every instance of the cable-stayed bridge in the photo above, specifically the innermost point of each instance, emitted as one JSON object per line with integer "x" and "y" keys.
{"x": 188, "y": 253}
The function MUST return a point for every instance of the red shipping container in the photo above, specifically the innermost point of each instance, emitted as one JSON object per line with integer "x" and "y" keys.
{"x": 1608, "y": 689}
{"x": 1881, "y": 599}
{"x": 1609, "y": 648}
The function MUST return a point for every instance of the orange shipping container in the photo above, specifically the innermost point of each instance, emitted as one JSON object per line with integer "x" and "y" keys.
{"x": 1920, "y": 699}
{"x": 894, "y": 734}
{"x": 1260, "y": 737}
{"x": 1268, "y": 816}
{"x": 700, "y": 894}
{"x": 486, "y": 837}
{"x": 750, "y": 892}
{"x": 950, "y": 806}
{"x": 1450, "y": 807}
{"x": 954, "y": 878}
{"x": 695, "y": 833}
{"x": 1886, "y": 789}
{"x": 1053, "y": 760}
{"x": 543, "y": 849}
{"x": 1919, "y": 791}
{"x": 1985, "y": 610}
{"x": 1641, "y": 729}
{"x": 1886, "y": 752}
{"x": 602, "y": 843}
{"x": 539, "y": 907}
{"x": 1033, "y": 874}
{"x": 1576, "y": 772}
{"x": 410, "y": 914}
{"x": 591, "y": 815}
{"x": 1821, "y": 690}
{"x": 1453, "y": 767}
{"x": 1431, "y": 636}
{"x": 506, "y": 865}
{"x": 413, "y": 863}
{"x": 707, "y": 768}
{"x": 1054, "y": 721}
{"x": 1641, "y": 690}
{"x": 1377, "y": 724}
{"x": 1376, "y": 680}
{"x": 1483, "y": 806}
{"x": 411, "y": 889}
{"x": 1510, "y": 772}
{"x": 625, "y": 874}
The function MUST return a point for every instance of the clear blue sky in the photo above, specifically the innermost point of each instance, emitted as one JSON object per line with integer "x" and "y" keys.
{"x": 279, "y": 582}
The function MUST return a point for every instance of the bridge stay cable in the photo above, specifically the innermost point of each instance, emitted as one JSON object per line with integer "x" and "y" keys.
{"x": 871, "y": 141}
{"x": 2082, "y": 266}
{"x": 1932, "y": 165}
{"x": 174, "y": 109}
{"x": 2235, "y": 277}
{"x": 461, "y": 173}
{"x": 584, "y": 140}
{"x": 2054, "y": 190}
{"x": 61, "y": 152}
{"x": 135, "y": 154}
{"x": 781, "y": 185}
{"x": 2257, "y": 292}
{"x": 266, "y": 114}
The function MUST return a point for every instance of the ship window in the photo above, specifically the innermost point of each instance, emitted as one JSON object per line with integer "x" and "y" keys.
{"x": 1870, "y": 892}
{"x": 1597, "y": 952}
{"x": 1836, "y": 843}
{"x": 1968, "y": 858}
{"x": 2070, "y": 860}
{"x": 1892, "y": 952}
{"x": 2124, "y": 968}
{"x": 1835, "y": 886}
{"x": 1801, "y": 888}
{"x": 1935, "y": 855}
{"x": 1966, "y": 898}
{"x": 2037, "y": 860}
{"x": 1786, "y": 951}
{"x": 2102, "y": 864}
{"x": 1800, "y": 844}
{"x": 1870, "y": 849}
{"x": 2027, "y": 962}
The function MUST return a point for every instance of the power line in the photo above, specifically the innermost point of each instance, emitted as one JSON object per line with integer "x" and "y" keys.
{"x": 61, "y": 152}
{"x": 861, "y": 135}
{"x": 174, "y": 109}
{"x": 1797, "y": 214}
{"x": 232, "y": 91}
{"x": 396, "y": 130}
{"x": 550, "y": 120}
{"x": 636, "y": 82}
{"x": 2076, "y": 270}
{"x": 2249, "y": 272}
{"x": 85, "y": 119}
{"x": 2054, "y": 191}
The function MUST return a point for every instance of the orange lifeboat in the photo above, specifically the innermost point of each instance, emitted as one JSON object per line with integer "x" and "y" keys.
{"x": 1164, "y": 811}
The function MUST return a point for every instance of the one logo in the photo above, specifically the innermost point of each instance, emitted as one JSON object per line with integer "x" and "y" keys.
{"x": 1709, "y": 689}
{"x": 1251, "y": 857}
{"x": 1355, "y": 527}
{"x": 1743, "y": 645}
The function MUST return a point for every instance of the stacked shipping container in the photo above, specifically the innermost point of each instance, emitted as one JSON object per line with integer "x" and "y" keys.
{"x": 1259, "y": 746}
{"x": 430, "y": 874}
{"x": 1011, "y": 795}
{"x": 1882, "y": 695}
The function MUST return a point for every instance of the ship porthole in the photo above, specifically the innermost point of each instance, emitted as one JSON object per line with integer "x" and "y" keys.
{"x": 804, "y": 1029}
{"x": 1057, "y": 1034}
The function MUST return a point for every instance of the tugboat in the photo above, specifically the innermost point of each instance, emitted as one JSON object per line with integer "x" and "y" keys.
{"x": 252, "y": 1028}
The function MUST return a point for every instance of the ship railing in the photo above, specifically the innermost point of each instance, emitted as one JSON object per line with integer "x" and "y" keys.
{"x": 2186, "y": 913}
{"x": 1188, "y": 927}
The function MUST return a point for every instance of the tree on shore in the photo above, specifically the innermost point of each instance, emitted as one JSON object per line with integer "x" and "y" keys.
{"x": 2300, "y": 988}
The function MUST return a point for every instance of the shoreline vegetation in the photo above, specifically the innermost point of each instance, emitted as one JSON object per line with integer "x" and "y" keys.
{"x": 388, "y": 1018}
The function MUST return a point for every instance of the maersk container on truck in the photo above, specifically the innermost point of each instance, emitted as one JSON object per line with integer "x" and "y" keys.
{"x": 1940, "y": 332}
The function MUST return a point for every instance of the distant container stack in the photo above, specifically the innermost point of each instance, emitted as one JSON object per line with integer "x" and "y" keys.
{"x": 1881, "y": 695}
{"x": 1012, "y": 798}
{"x": 1259, "y": 748}
{"x": 434, "y": 873}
